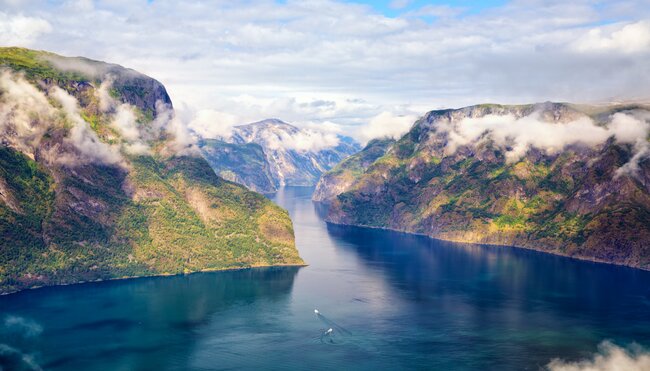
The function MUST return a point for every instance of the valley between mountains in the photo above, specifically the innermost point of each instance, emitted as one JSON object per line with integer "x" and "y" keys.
{"x": 99, "y": 179}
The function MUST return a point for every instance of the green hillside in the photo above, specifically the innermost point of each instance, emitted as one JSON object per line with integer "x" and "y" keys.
{"x": 570, "y": 202}
{"x": 69, "y": 216}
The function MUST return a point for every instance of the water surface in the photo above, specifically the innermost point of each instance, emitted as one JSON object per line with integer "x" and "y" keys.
{"x": 393, "y": 301}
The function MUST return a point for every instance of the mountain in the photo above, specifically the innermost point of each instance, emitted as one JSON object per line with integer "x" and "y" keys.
{"x": 100, "y": 180}
{"x": 341, "y": 177}
{"x": 566, "y": 179}
{"x": 245, "y": 164}
{"x": 293, "y": 156}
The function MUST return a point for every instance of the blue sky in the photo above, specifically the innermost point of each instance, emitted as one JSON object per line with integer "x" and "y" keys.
{"x": 393, "y": 8}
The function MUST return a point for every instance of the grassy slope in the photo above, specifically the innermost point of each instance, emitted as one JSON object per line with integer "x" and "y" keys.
{"x": 162, "y": 216}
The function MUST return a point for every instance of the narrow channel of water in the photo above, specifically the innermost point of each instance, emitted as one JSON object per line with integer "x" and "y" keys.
{"x": 392, "y": 300}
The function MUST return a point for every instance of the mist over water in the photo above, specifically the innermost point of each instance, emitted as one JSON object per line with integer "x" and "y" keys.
{"x": 392, "y": 300}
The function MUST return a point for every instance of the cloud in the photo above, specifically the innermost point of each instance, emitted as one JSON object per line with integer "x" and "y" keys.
{"x": 628, "y": 38}
{"x": 304, "y": 140}
{"x": 106, "y": 102}
{"x": 124, "y": 120}
{"x": 609, "y": 358}
{"x": 24, "y": 111}
{"x": 519, "y": 134}
{"x": 91, "y": 148}
{"x": 209, "y": 123}
{"x": 260, "y": 59}
{"x": 181, "y": 140}
{"x": 627, "y": 129}
{"x": 16, "y": 29}
{"x": 385, "y": 124}
{"x": 26, "y": 114}
{"x": 288, "y": 56}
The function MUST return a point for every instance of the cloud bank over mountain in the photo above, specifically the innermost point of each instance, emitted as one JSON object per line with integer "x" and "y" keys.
{"x": 518, "y": 135}
{"x": 348, "y": 63}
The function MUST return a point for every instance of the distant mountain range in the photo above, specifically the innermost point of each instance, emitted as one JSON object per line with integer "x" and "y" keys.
{"x": 271, "y": 153}
{"x": 567, "y": 179}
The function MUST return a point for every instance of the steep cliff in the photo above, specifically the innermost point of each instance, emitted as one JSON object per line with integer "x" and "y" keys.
{"x": 99, "y": 180}
{"x": 343, "y": 175}
{"x": 566, "y": 179}
{"x": 245, "y": 164}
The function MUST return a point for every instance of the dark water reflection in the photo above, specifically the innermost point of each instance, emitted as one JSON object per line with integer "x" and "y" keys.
{"x": 394, "y": 301}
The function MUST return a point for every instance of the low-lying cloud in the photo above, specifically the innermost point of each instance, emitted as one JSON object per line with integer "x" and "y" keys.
{"x": 309, "y": 137}
{"x": 302, "y": 141}
{"x": 182, "y": 140}
{"x": 124, "y": 120}
{"x": 385, "y": 125}
{"x": 82, "y": 136}
{"x": 610, "y": 357}
{"x": 521, "y": 134}
{"x": 27, "y": 113}
{"x": 209, "y": 123}
{"x": 23, "y": 108}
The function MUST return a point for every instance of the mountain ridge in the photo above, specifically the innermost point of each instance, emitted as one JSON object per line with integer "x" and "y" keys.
{"x": 486, "y": 174}
{"x": 290, "y": 155}
{"x": 99, "y": 181}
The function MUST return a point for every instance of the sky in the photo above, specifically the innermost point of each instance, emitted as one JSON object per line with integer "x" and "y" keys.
{"x": 364, "y": 68}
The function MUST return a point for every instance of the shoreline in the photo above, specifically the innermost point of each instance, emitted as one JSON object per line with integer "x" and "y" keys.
{"x": 530, "y": 248}
{"x": 210, "y": 270}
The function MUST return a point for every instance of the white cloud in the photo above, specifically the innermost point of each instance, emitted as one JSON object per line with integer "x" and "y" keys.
{"x": 609, "y": 358}
{"x": 91, "y": 148}
{"x": 22, "y": 110}
{"x": 125, "y": 122}
{"x": 19, "y": 30}
{"x": 260, "y": 59}
{"x": 385, "y": 124}
{"x": 628, "y": 38}
{"x": 521, "y": 134}
{"x": 181, "y": 139}
{"x": 209, "y": 123}
{"x": 308, "y": 140}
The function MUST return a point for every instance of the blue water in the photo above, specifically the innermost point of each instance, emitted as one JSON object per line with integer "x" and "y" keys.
{"x": 393, "y": 301}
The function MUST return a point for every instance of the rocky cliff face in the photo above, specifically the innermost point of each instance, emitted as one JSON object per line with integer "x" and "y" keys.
{"x": 245, "y": 164}
{"x": 566, "y": 179}
{"x": 343, "y": 175}
{"x": 98, "y": 181}
{"x": 294, "y": 156}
